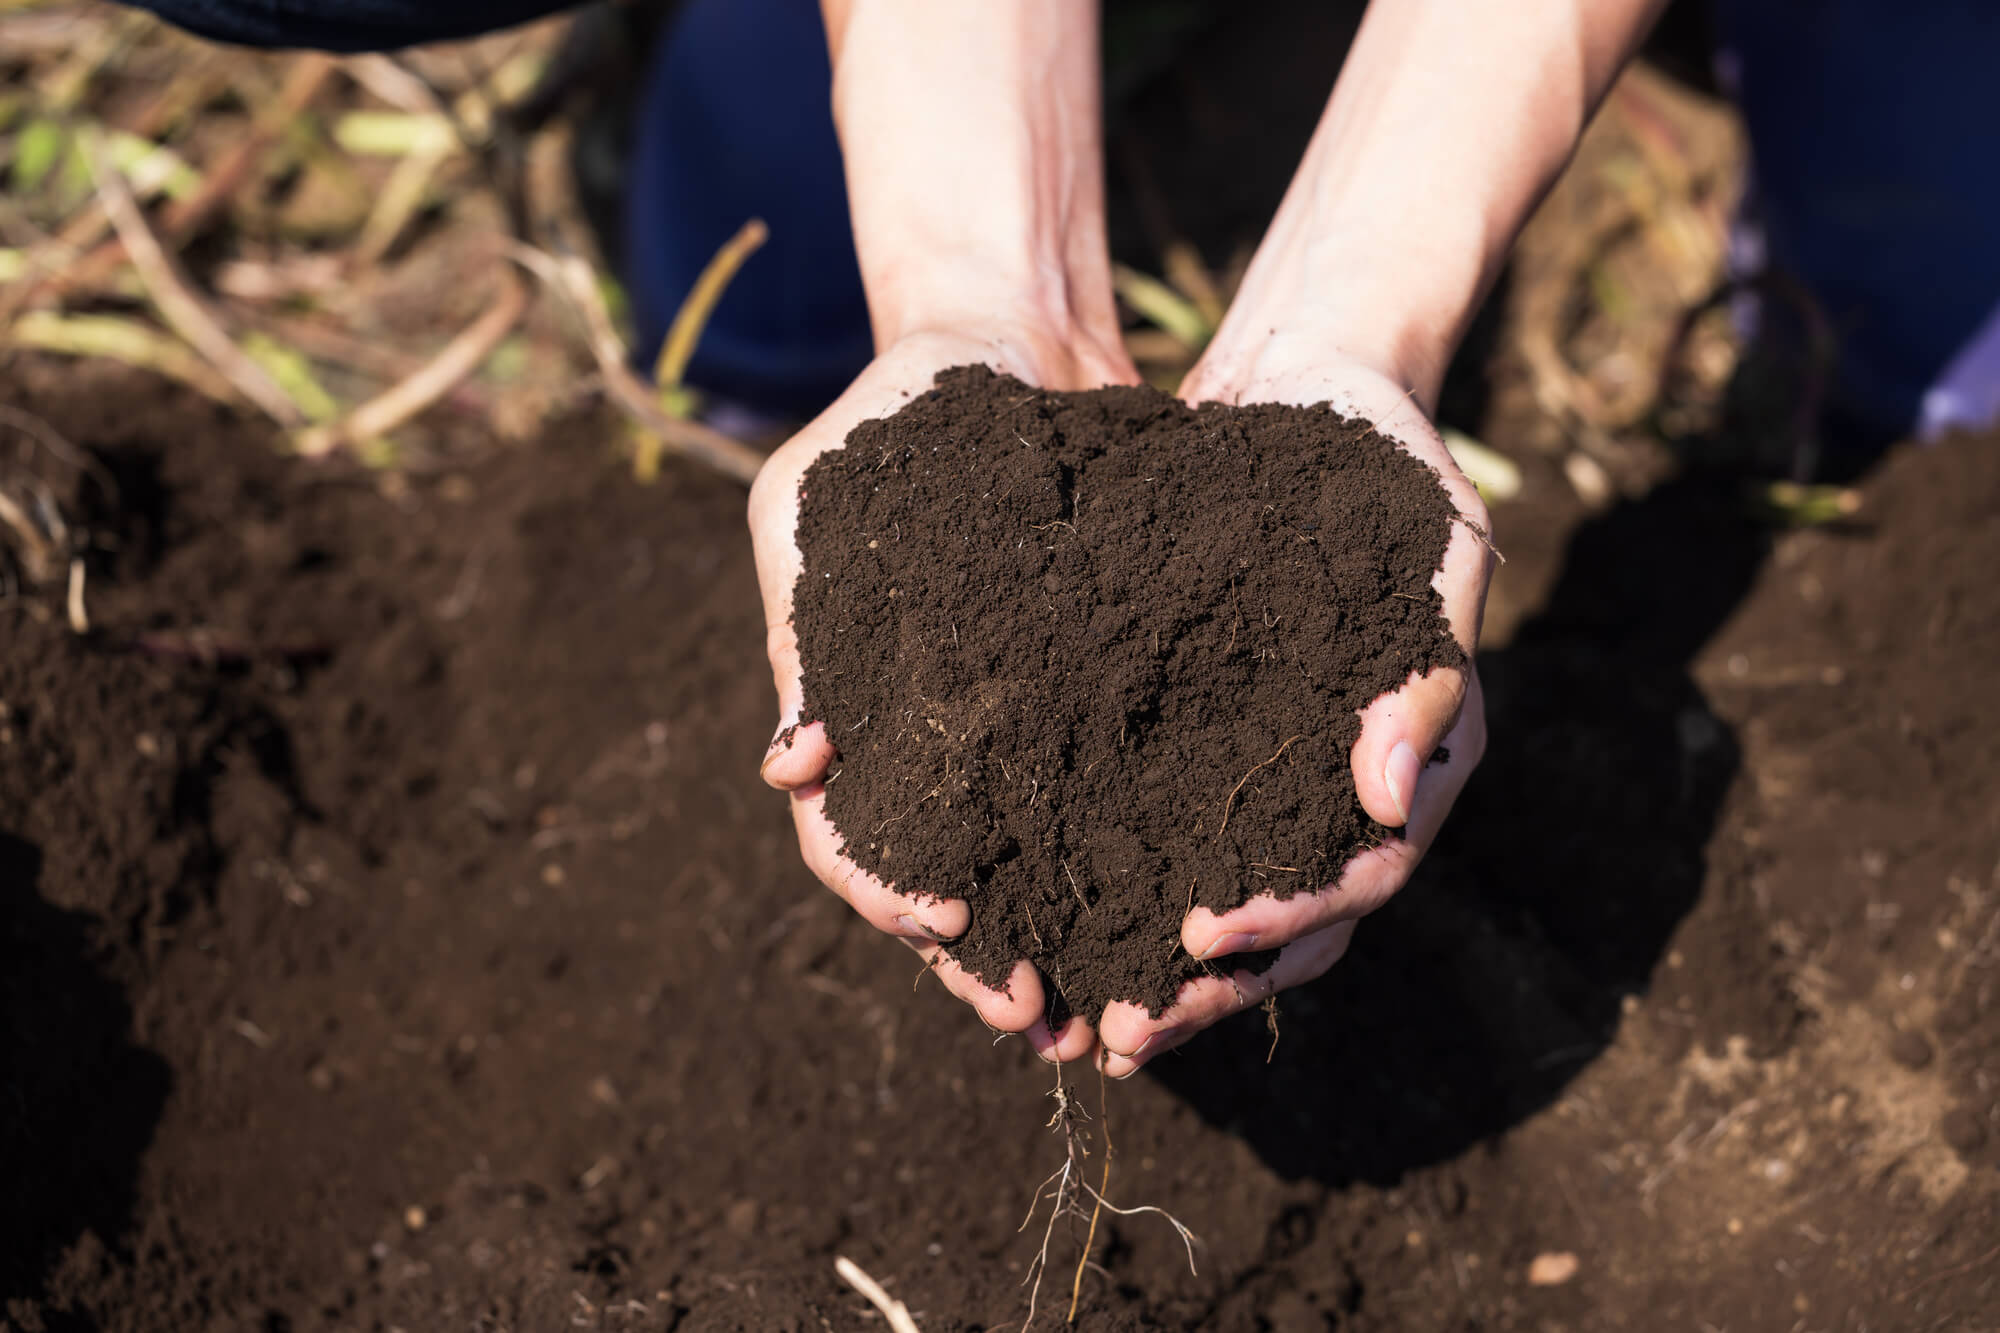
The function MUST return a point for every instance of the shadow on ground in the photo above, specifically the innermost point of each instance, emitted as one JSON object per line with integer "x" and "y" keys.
{"x": 1480, "y": 992}
{"x": 78, "y": 1099}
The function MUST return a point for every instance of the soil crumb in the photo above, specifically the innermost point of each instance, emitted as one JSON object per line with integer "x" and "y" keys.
{"x": 1093, "y": 658}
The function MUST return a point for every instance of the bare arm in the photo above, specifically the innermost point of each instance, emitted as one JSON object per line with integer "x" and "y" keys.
{"x": 973, "y": 145}
{"x": 1450, "y": 121}
{"x": 971, "y": 136}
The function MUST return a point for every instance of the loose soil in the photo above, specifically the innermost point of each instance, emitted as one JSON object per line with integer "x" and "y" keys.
{"x": 460, "y": 973}
{"x": 1091, "y": 659}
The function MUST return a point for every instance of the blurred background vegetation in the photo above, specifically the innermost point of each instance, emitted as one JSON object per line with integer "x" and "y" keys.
{"x": 403, "y": 255}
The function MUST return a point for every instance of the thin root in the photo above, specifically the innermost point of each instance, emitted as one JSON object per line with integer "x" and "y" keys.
{"x": 1063, "y": 1187}
{"x": 1484, "y": 540}
{"x": 1188, "y": 1237}
{"x": 1090, "y": 1237}
{"x": 1228, "y": 804}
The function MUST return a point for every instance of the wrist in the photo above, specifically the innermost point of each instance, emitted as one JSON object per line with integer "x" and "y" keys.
{"x": 974, "y": 164}
{"x": 1449, "y": 121}
{"x": 1028, "y": 347}
{"x": 1307, "y": 321}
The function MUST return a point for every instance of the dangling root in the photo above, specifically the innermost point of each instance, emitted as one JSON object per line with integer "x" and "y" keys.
{"x": 1104, "y": 1183}
{"x": 1064, "y": 1187}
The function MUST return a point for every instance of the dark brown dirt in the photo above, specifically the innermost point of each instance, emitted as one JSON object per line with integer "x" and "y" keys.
{"x": 1093, "y": 658}
{"x": 467, "y": 978}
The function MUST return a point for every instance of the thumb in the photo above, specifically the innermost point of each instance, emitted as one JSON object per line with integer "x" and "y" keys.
{"x": 1399, "y": 734}
{"x": 797, "y": 755}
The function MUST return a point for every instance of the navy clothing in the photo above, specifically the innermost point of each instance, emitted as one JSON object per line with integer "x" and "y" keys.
{"x": 346, "y": 25}
{"x": 1874, "y": 128}
{"x": 1875, "y": 161}
{"x": 736, "y": 121}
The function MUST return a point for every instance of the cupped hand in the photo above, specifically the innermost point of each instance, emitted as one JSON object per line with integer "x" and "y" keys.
{"x": 798, "y": 757}
{"x": 1401, "y": 733}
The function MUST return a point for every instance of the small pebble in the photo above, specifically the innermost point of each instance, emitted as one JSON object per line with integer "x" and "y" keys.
{"x": 1911, "y": 1050}
{"x": 415, "y": 1218}
{"x": 1963, "y": 1131}
{"x": 1553, "y": 1268}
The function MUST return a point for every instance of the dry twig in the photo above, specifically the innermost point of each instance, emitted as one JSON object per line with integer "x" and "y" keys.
{"x": 183, "y": 311}
{"x": 36, "y": 555}
{"x": 892, "y": 1309}
{"x": 180, "y": 221}
{"x": 79, "y": 618}
{"x": 571, "y": 278}
{"x": 436, "y": 378}
{"x": 689, "y": 321}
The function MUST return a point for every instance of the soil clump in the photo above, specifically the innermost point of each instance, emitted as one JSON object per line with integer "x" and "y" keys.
{"x": 1093, "y": 658}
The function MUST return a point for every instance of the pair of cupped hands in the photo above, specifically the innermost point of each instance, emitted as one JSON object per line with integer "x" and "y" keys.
{"x": 1392, "y": 774}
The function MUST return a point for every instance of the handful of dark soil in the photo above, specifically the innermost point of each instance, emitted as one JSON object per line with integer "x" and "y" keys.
{"x": 1092, "y": 658}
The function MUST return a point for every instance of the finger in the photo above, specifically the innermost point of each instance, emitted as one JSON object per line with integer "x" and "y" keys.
{"x": 1073, "y": 1041}
{"x": 1366, "y": 882}
{"x": 1131, "y": 1037}
{"x": 797, "y": 754}
{"x": 881, "y": 906}
{"x": 1018, "y": 1008}
{"x": 1399, "y": 732}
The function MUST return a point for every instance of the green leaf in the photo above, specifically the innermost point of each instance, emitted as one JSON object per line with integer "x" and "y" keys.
{"x": 1162, "y": 305}
{"x": 1495, "y": 474}
{"x": 37, "y": 149}
{"x": 290, "y": 370}
{"x": 395, "y": 133}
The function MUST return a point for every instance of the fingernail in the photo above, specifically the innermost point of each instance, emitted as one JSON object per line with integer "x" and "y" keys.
{"x": 909, "y": 925}
{"x": 1400, "y": 775}
{"x": 1159, "y": 1041}
{"x": 1234, "y": 942}
{"x": 781, "y": 741}
{"x": 1163, "y": 1035}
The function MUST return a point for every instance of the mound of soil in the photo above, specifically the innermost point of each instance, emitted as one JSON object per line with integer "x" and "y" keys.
{"x": 463, "y": 975}
{"x": 1093, "y": 658}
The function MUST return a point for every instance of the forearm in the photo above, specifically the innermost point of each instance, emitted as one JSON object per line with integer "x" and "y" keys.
{"x": 1450, "y": 120}
{"x": 974, "y": 161}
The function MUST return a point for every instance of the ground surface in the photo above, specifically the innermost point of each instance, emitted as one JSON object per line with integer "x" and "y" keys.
{"x": 396, "y": 935}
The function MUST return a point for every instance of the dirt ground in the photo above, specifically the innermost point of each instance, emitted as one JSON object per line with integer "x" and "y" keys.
{"x": 398, "y": 936}
{"x": 394, "y": 933}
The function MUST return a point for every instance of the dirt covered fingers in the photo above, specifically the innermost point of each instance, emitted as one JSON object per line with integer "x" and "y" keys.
{"x": 919, "y": 924}
{"x": 797, "y": 755}
{"x": 1131, "y": 1037}
{"x": 882, "y": 907}
{"x": 1372, "y": 877}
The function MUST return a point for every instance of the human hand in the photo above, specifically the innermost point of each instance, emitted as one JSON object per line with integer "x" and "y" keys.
{"x": 797, "y": 762}
{"x": 1400, "y": 731}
